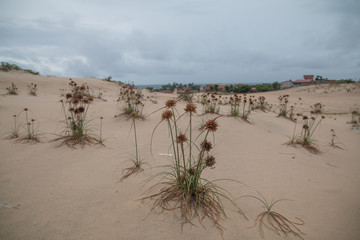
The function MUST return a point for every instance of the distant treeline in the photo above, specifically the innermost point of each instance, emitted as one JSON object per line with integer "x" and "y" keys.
{"x": 7, "y": 66}
{"x": 263, "y": 87}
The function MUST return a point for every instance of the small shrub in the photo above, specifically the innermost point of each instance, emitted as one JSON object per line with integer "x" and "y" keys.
{"x": 13, "y": 90}
{"x": 33, "y": 89}
{"x": 131, "y": 101}
{"x": 261, "y": 103}
{"x": 16, "y": 128}
{"x": 235, "y": 102}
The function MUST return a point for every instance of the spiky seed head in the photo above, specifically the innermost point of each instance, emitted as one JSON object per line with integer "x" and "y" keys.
{"x": 81, "y": 109}
{"x": 323, "y": 117}
{"x": 25, "y": 109}
{"x": 305, "y": 126}
{"x": 68, "y": 95}
{"x": 101, "y": 118}
{"x": 181, "y": 138}
{"x": 210, "y": 161}
{"x": 211, "y": 125}
{"x": 133, "y": 115}
{"x": 190, "y": 107}
{"x": 207, "y": 146}
{"x": 166, "y": 115}
{"x": 170, "y": 103}
{"x": 305, "y": 118}
{"x": 33, "y": 120}
{"x": 14, "y": 116}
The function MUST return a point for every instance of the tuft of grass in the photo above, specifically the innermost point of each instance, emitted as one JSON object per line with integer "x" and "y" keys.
{"x": 75, "y": 107}
{"x": 333, "y": 142}
{"x": 31, "y": 134}
{"x": 131, "y": 101}
{"x": 137, "y": 162}
{"x": 15, "y": 133}
{"x": 181, "y": 186}
{"x": 210, "y": 103}
{"x": 275, "y": 221}
{"x": 305, "y": 138}
{"x": 317, "y": 108}
{"x": 33, "y": 89}
{"x": 13, "y": 90}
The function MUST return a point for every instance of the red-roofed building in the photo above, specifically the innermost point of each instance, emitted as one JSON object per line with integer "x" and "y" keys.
{"x": 308, "y": 80}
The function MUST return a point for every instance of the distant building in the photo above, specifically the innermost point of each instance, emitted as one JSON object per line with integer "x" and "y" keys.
{"x": 202, "y": 88}
{"x": 286, "y": 84}
{"x": 220, "y": 87}
{"x": 308, "y": 80}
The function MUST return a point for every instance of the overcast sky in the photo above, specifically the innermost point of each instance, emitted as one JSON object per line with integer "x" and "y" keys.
{"x": 201, "y": 41}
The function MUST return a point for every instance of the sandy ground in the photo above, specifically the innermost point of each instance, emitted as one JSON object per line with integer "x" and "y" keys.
{"x": 52, "y": 192}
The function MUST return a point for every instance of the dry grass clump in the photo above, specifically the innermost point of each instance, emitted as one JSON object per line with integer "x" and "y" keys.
{"x": 33, "y": 89}
{"x": 181, "y": 186}
{"x": 31, "y": 134}
{"x": 210, "y": 103}
{"x": 355, "y": 119}
{"x": 241, "y": 106}
{"x": 275, "y": 221}
{"x": 286, "y": 111}
{"x": 75, "y": 108}
{"x": 333, "y": 142}
{"x": 318, "y": 108}
{"x": 260, "y": 103}
{"x": 13, "y": 90}
{"x": 137, "y": 162}
{"x": 305, "y": 138}
{"x": 131, "y": 102}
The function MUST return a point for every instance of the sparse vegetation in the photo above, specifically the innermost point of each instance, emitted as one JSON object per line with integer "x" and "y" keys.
{"x": 7, "y": 67}
{"x": 275, "y": 221}
{"x": 131, "y": 101}
{"x": 13, "y": 90}
{"x": 31, "y": 135}
{"x": 210, "y": 103}
{"x": 75, "y": 108}
{"x": 305, "y": 139}
{"x": 33, "y": 89}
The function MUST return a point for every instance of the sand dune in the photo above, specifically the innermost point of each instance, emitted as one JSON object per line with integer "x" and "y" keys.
{"x": 52, "y": 192}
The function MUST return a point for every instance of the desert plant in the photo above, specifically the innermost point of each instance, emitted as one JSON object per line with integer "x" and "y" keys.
{"x": 210, "y": 103}
{"x": 235, "y": 105}
{"x": 275, "y": 221}
{"x": 31, "y": 134}
{"x": 354, "y": 115}
{"x": 283, "y": 108}
{"x": 333, "y": 141}
{"x": 318, "y": 108}
{"x": 33, "y": 89}
{"x": 137, "y": 162}
{"x": 131, "y": 102}
{"x": 309, "y": 125}
{"x": 13, "y": 90}
{"x": 261, "y": 103}
{"x": 16, "y": 128}
{"x": 75, "y": 107}
{"x": 181, "y": 185}
{"x": 246, "y": 107}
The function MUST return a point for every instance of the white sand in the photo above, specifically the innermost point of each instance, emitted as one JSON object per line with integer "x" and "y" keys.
{"x": 51, "y": 192}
